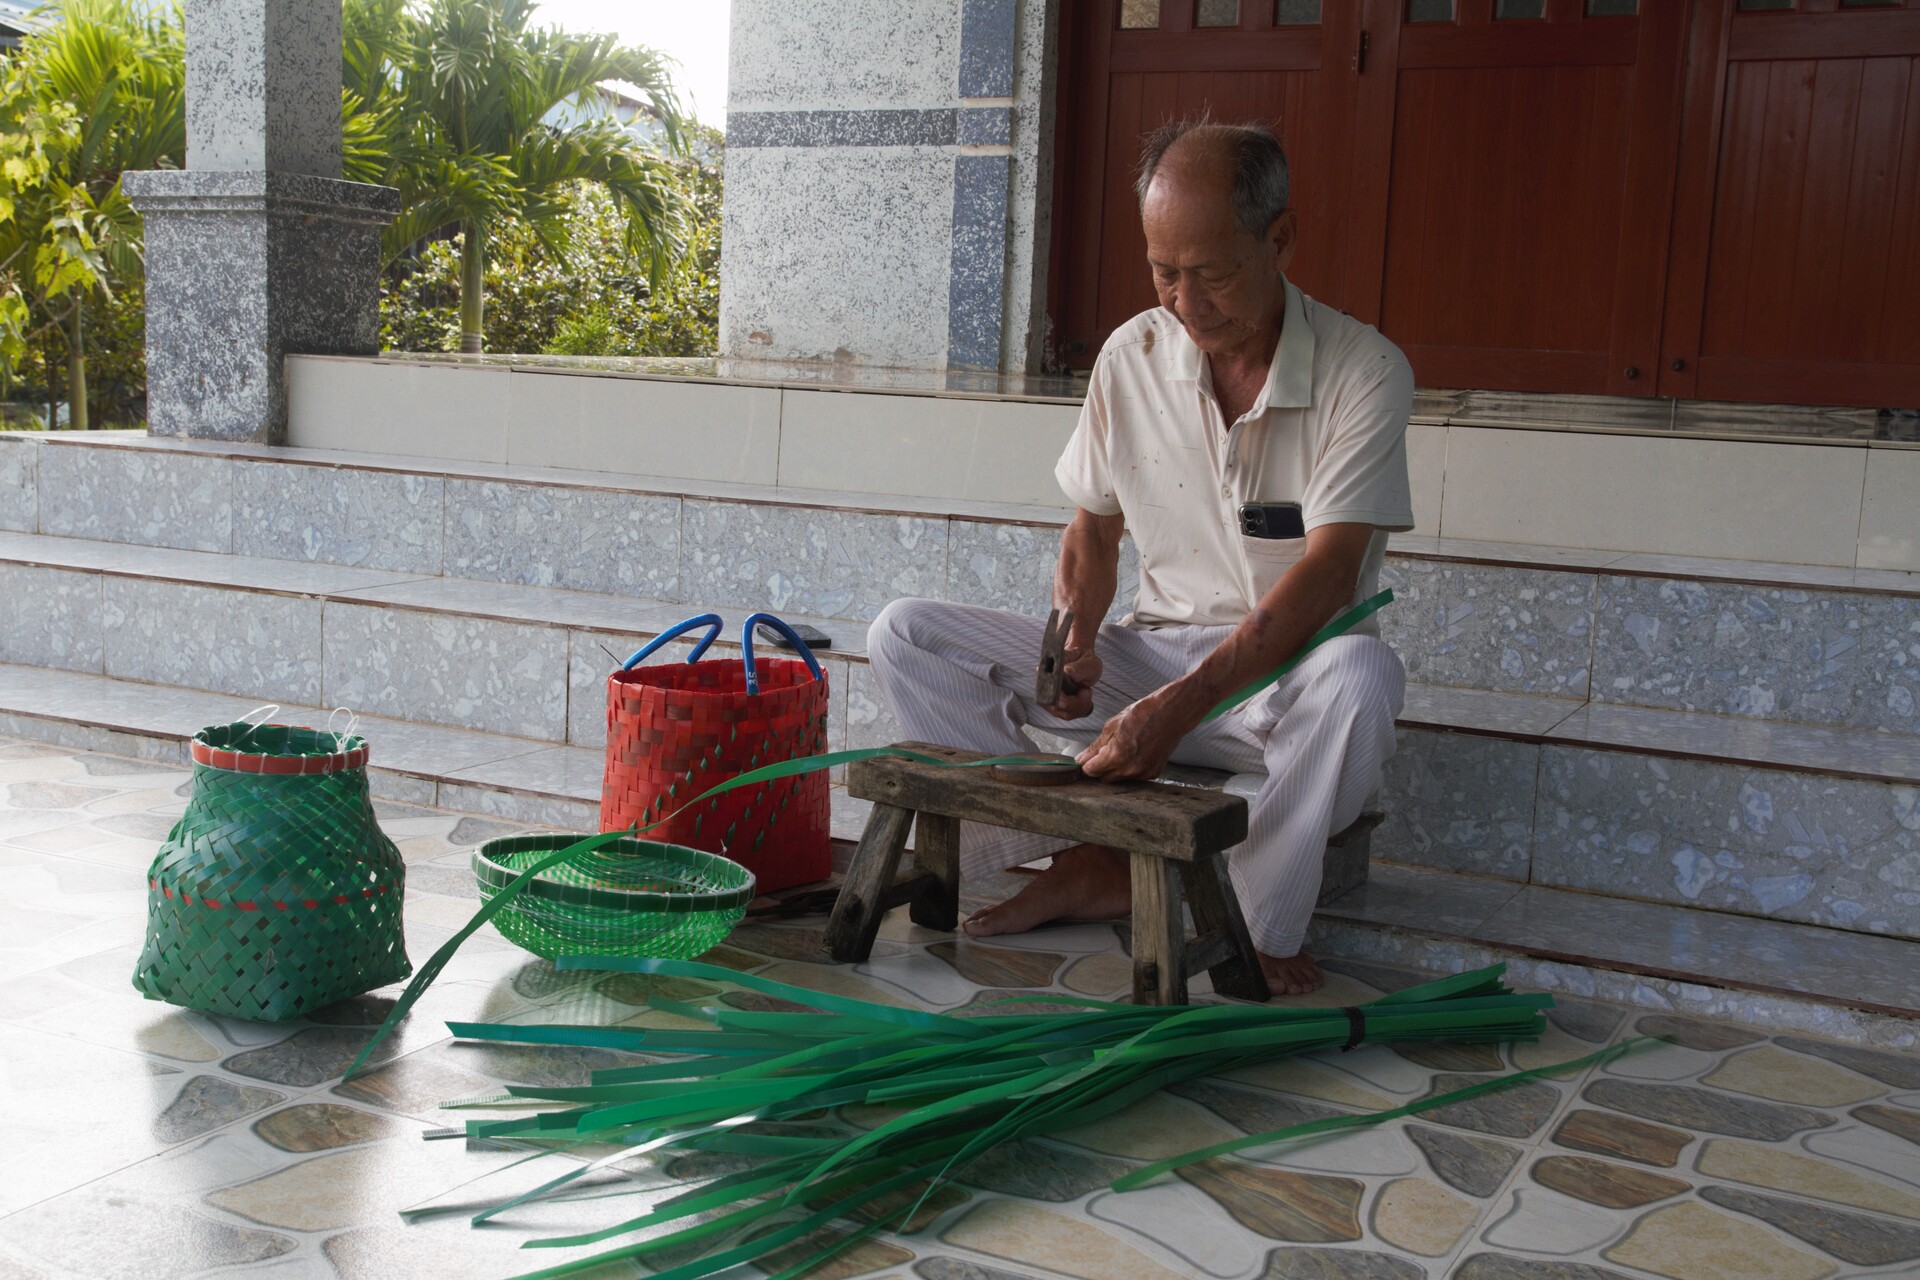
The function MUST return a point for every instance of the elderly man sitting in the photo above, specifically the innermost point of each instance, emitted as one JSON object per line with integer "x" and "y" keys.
{"x": 1254, "y": 442}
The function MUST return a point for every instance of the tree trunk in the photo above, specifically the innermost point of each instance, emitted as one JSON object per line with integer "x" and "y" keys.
{"x": 473, "y": 289}
{"x": 77, "y": 370}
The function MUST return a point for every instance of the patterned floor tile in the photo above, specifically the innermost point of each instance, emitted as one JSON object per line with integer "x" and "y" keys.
{"x": 1783, "y": 1076}
{"x": 113, "y": 1235}
{"x": 1422, "y": 1217}
{"x": 1867, "y": 1149}
{"x": 1692, "y": 1242}
{"x": 1518, "y": 1112}
{"x": 1851, "y": 1237}
{"x": 1692, "y": 1108}
{"x": 1477, "y": 1166}
{"x": 1601, "y": 1182}
{"x": 1902, "y": 1071}
{"x": 322, "y": 1126}
{"x": 1537, "y": 1220}
{"x": 1309, "y": 1263}
{"x": 237, "y": 1142}
{"x": 1281, "y": 1205}
{"x": 1181, "y": 1220}
{"x": 1784, "y": 1169}
{"x": 1899, "y": 1121}
{"x": 1024, "y": 1233}
{"x": 1608, "y": 1134}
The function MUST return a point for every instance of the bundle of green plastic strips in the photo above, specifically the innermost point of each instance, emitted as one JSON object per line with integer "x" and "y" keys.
{"x": 958, "y": 1086}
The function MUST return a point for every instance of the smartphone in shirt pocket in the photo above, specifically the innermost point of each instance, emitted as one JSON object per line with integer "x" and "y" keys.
{"x": 1273, "y": 537}
{"x": 1272, "y": 521}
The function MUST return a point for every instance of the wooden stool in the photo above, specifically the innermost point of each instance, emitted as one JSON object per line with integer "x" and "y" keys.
{"x": 1173, "y": 837}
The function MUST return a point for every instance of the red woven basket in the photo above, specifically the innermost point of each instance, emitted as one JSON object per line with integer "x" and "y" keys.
{"x": 677, "y": 729}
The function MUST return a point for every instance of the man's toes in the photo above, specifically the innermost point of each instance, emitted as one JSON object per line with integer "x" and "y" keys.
{"x": 985, "y": 922}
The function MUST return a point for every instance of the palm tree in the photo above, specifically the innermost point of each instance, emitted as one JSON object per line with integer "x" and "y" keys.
{"x": 452, "y": 101}
{"x": 98, "y": 89}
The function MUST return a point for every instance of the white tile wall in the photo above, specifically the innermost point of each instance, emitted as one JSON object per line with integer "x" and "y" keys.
{"x": 1426, "y": 469}
{"x": 1890, "y": 514}
{"x": 644, "y": 427}
{"x": 421, "y": 410}
{"x": 1798, "y": 504}
{"x": 990, "y": 451}
{"x": 1746, "y": 500}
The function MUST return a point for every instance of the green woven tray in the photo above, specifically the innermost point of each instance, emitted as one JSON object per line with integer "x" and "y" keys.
{"x": 628, "y": 898}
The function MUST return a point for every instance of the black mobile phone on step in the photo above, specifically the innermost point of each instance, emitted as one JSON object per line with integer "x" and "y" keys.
{"x": 816, "y": 639}
{"x": 1272, "y": 520}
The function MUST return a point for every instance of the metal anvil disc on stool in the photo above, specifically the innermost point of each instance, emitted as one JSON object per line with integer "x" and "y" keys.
{"x": 1173, "y": 837}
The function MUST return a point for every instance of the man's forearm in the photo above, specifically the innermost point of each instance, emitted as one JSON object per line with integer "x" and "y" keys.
{"x": 1305, "y": 599}
{"x": 1088, "y": 574}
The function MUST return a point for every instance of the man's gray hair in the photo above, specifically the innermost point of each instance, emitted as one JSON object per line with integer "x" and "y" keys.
{"x": 1259, "y": 167}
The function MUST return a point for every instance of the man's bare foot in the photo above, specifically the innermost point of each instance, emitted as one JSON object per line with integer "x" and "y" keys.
{"x": 1296, "y": 975}
{"x": 1086, "y": 882}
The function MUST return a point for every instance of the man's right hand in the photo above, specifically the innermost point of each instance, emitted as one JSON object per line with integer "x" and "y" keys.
{"x": 1082, "y": 666}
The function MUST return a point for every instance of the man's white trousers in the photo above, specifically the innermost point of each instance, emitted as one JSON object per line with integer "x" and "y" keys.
{"x": 962, "y": 676}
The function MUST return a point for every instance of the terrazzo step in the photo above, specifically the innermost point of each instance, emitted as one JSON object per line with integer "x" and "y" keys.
{"x": 515, "y": 779}
{"x": 1784, "y": 976}
{"x": 1778, "y": 642}
{"x": 148, "y": 597}
{"x": 1785, "y": 822}
{"x": 494, "y": 657}
{"x": 1733, "y": 813}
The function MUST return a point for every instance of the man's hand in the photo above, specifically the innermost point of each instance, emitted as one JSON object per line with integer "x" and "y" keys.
{"x": 1083, "y": 667}
{"x": 1084, "y": 581}
{"x": 1137, "y": 743}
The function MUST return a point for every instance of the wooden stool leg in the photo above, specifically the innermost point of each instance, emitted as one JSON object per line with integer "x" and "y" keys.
{"x": 1159, "y": 941}
{"x": 936, "y": 851}
{"x": 1216, "y": 909}
{"x": 863, "y": 898}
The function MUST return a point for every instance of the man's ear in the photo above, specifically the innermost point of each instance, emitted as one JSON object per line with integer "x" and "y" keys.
{"x": 1282, "y": 235}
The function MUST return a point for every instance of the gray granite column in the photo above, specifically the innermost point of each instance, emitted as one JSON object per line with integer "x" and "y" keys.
{"x": 977, "y": 272}
{"x": 256, "y": 248}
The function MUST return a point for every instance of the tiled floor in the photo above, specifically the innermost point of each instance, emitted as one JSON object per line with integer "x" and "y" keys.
{"x": 143, "y": 1141}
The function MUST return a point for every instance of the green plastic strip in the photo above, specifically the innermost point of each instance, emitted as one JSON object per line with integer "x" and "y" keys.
{"x": 1340, "y": 625}
{"x": 784, "y": 769}
{"x": 978, "y": 1083}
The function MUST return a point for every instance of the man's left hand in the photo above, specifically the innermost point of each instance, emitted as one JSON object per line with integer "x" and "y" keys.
{"x": 1137, "y": 743}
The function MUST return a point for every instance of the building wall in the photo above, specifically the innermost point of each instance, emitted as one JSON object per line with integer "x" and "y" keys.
{"x": 888, "y": 168}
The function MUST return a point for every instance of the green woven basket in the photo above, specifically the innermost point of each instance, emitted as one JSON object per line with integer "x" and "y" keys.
{"x": 276, "y": 893}
{"x": 628, "y": 898}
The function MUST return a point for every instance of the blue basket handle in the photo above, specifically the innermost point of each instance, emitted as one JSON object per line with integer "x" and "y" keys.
{"x": 746, "y": 648}
{"x": 711, "y": 621}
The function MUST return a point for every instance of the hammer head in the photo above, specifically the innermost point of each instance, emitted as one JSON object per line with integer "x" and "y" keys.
{"x": 1051, "y": 680}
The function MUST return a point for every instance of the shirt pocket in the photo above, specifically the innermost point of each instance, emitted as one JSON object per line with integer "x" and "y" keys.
{"x": 1268, "y": 560}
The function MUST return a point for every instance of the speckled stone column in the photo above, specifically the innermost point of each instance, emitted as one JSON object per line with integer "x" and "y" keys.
{"x": 257, "y": 248}
{"x": 889, "y": 182}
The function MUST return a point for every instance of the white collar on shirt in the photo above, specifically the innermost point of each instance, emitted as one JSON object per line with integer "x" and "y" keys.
{"x": 1290, "y": 376}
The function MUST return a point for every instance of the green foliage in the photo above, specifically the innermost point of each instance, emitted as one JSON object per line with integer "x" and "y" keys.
{"x": 449, "y": 101}
{"x": 590, "y": 297}
{"x": 585, "y": 236}
{"x": 98, "y": 89}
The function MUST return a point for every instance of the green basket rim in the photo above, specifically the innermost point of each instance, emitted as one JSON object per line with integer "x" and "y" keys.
{"x": 492, "y": 873}
{"x": 270, "y": 738}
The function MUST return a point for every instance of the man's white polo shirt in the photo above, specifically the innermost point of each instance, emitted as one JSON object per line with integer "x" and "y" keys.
{"x": 1328, "y": 430}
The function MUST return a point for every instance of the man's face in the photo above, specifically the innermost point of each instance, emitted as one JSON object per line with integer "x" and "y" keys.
{"x": 1224, "y": 285}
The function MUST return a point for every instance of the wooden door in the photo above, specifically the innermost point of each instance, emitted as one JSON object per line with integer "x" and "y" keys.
{"x": 1796, "y": 259}
{"x": 1511, "y": 229}
{"x": 1132, "y": 65}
